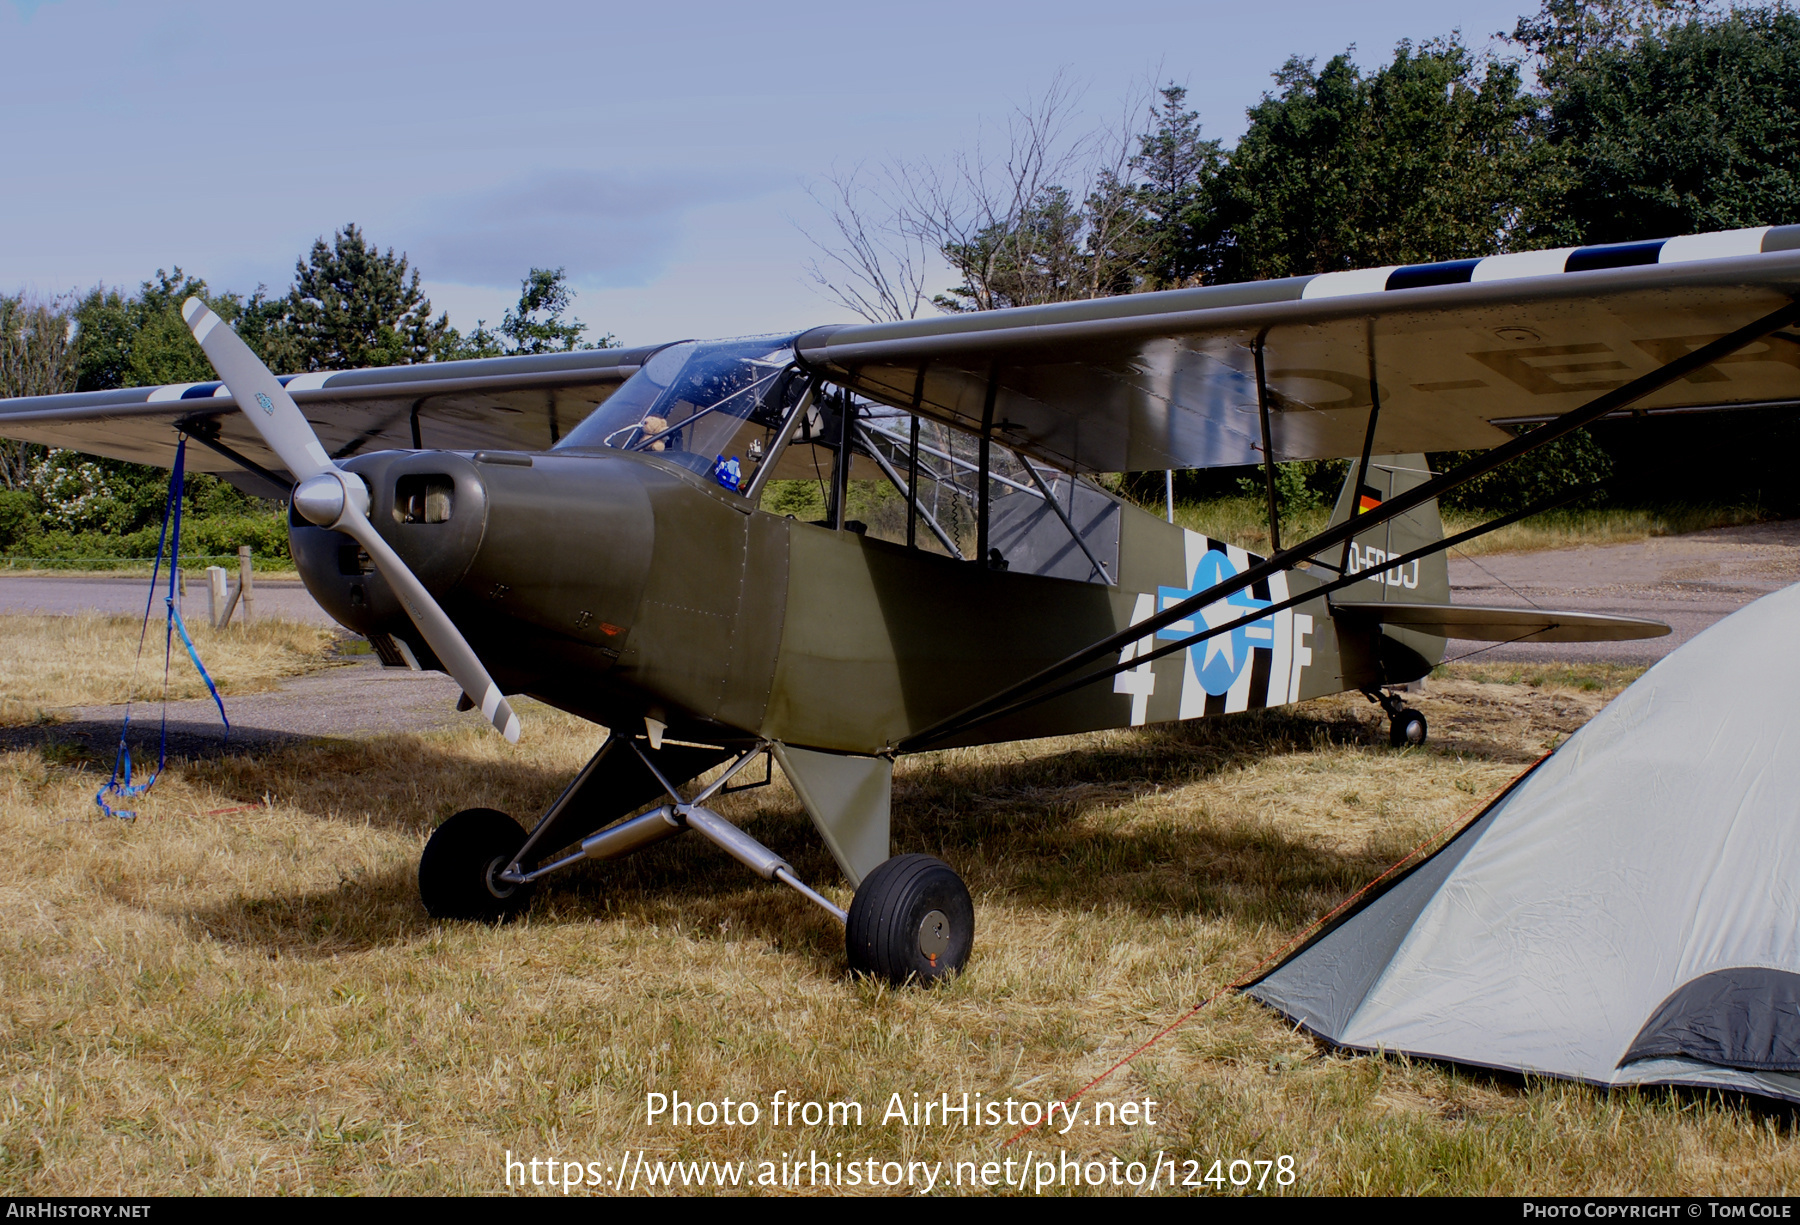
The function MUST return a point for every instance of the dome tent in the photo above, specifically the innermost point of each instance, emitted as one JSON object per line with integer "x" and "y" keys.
{"x": 1627, "y": 913}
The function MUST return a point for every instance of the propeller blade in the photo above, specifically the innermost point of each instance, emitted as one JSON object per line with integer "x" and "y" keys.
{"x": 258, "y": 392}
{"x": 452, "y": 649}
{"x": 336, "y": 499}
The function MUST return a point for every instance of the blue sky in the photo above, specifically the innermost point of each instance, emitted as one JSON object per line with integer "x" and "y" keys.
{"x": 660, "y": 152}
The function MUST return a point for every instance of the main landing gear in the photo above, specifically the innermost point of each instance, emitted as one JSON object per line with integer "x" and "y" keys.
{"x": 459, "y": 873}
{"x": 1406, "y": 726}
{"x": 912, "y": 920}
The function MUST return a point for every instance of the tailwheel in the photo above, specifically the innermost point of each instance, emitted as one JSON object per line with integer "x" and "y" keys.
{"x": 911, "y": 919}
{"x": 1406, "y": 729}
{"x": 459, "y": 873}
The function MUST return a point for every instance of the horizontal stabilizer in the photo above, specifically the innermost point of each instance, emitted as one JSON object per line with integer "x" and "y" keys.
{"x": 1505, "y": 624}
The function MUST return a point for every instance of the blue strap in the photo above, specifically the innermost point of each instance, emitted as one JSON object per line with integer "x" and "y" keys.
{"x": 181, "y": 628}
{"x": 120, "y": 784}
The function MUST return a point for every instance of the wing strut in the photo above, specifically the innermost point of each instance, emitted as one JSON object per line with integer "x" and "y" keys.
{"x": 1009, "y": 699}
{"x": 1362, "y": 468}
{"x": 205, "y": 431}
{"x": 1074, "y": 533}
{"x": 1268, "y": 447}
{"x": 1348, "y": 580}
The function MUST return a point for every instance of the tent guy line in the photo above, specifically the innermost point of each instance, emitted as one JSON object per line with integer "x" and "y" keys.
{"x": 1437, "y": 838}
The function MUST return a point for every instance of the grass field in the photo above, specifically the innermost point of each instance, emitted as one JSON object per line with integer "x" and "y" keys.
{"x": 1244, "y": 522}
{"x": 240, "y": 992}
{"x": 91, "y": 659}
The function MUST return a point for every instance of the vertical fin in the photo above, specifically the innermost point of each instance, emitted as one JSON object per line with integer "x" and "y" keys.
{"x": 1426, "y": 581}
{"x": 1390, "y": 655}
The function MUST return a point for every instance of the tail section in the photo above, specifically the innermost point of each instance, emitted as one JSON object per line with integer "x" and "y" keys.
{"x": 1376, "y": 651}
{"x": 1268, "y": 651}
{"x": 1426, "y": 581}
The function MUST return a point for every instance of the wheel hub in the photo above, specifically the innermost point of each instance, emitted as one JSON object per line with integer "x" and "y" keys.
{"x": 934, "y": 934}
{"x": 491, "y": 877}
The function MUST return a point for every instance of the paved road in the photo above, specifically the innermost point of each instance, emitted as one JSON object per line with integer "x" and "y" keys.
{"x": 360, "y": 698}
{"x": 284, "y": 597}
{"x": 1688, "y": 582}
{"x": 357, "y": 699}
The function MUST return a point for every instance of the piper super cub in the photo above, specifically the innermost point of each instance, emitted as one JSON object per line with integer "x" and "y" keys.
{"x": 608, "y": 531}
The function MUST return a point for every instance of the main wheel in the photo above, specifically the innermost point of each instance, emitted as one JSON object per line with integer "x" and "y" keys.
{"x": 912, "y": 919}
{"x": 1407, "y": 729}
{"x": 460, "y": 869}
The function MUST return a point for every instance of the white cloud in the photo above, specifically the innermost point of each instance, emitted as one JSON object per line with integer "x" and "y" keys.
{"x": 609, "y": 229}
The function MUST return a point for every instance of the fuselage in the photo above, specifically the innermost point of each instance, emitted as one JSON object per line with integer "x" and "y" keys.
{"x": 621, "y": 586}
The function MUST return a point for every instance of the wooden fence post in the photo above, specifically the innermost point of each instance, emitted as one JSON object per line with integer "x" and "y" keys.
{"x": 246, "y": 585}
{"x": 216, "y": 606}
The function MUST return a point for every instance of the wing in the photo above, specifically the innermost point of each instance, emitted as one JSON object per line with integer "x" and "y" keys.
{"x": 519, "y": 403}
{"x": 1461, "y": 354}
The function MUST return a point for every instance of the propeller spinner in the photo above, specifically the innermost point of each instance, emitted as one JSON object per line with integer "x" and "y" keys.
{"x": 335, "y": 499}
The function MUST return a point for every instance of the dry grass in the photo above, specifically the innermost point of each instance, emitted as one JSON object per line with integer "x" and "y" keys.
{"x": 91, "y": 659}
{"x": 223, "y": 998}
{"x": 1244, "y": 522}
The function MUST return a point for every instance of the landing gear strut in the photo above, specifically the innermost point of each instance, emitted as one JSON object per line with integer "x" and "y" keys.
{"x": 1406, "y": 726}
{"x": 911, "y": 921}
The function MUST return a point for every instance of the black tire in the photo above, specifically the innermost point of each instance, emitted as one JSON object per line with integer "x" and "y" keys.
{"x": 1407, "y": 729}
{"x": 458, "y": 869}
{"x": 887, "y": 934}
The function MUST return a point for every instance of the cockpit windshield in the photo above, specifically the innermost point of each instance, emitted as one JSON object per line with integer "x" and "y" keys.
{"x": 714, "y": 407}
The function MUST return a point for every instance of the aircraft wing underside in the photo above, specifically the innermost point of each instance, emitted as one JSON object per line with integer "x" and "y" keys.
{"x": 1460, "y": 353}
{"x": 508, "y": 403}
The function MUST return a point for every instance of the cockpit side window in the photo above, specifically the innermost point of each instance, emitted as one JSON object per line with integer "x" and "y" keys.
{"x": 716, "y": 408}
{"x": 917, "y": 483}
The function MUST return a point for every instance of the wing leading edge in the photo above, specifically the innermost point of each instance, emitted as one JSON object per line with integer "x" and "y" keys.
{"x": 520, "y": 403}
{"x": 1461, "y": 354}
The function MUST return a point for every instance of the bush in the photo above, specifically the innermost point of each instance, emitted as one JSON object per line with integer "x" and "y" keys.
{"x": 265, "y": 533}
{"x": 1572, "y": 460}
{"x": 19, "y": 517}
{"x": 1307, "y": 484}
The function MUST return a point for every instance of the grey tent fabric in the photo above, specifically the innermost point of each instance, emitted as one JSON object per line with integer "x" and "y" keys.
{"x": 1629, "y": 913}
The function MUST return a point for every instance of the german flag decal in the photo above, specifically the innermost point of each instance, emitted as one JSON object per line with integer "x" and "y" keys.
{"x": 1367, "y": 499}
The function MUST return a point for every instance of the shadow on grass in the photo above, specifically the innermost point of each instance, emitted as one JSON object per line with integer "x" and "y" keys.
{"x": 1013, "y": 828}
{"x": 98, "y": 739}
{"x": 1784, "y": 1117}
{"x": 362, "y": 912}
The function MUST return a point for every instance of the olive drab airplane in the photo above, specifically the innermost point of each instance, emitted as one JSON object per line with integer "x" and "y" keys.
{"x": 828, "y": 549}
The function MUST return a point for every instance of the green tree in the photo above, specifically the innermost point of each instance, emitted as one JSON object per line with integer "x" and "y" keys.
{"x": 140, "y": 340}
{"x": 352, "y": 305}
{"x": 1429, "y": 158}
{"x": 1174, "y": 168}
{"x": 1683, "y": 129}
{"x": 1036, "y": 256}
{"x": 1563, "y": 33}
{"x": 535, "y": 325}
{"x": 37, "y": 358}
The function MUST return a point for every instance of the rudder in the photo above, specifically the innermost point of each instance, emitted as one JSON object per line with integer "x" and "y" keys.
{"x": 1400, "y": 655}
{"x": 1425, "y": 581}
